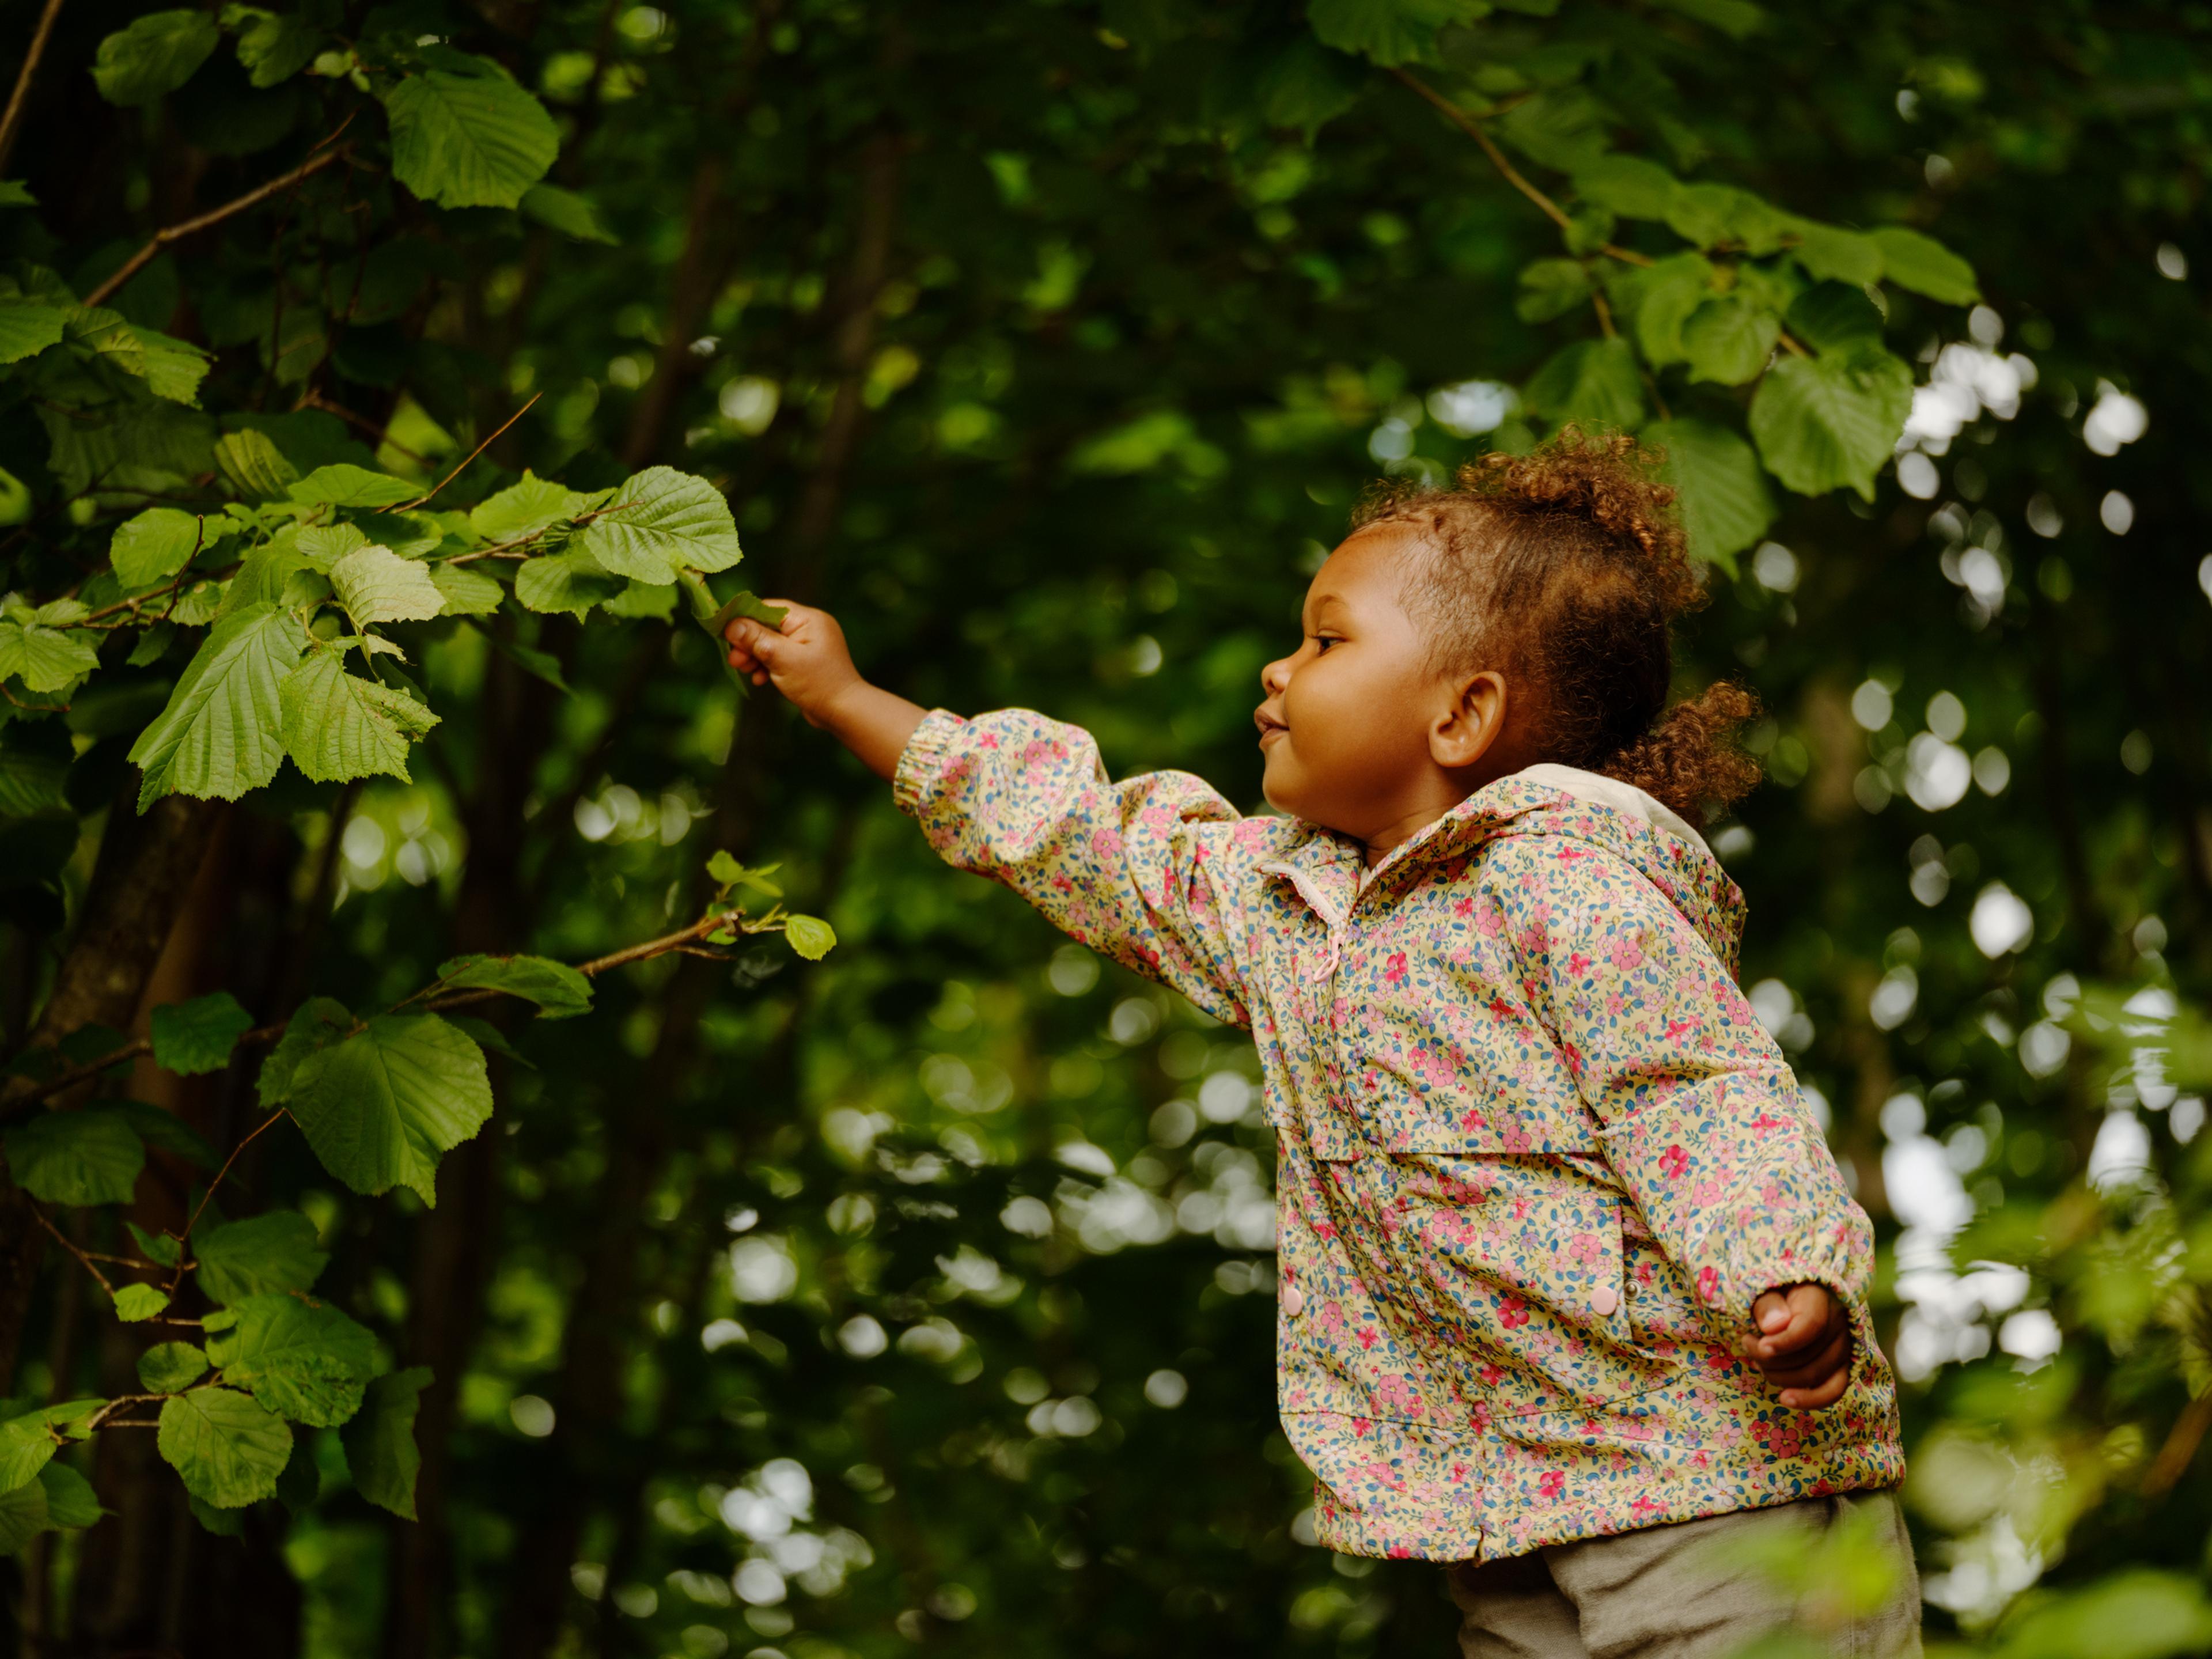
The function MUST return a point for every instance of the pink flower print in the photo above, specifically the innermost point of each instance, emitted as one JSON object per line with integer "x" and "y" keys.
{"x": 1570, "y": 853}
{"x": 1626, "y": 953}
{"x": 1367, "y": 1337}
{"x": 1643, "y": 1274}
{"x": 1490, "y": 923}
{"x": 1490, "y": 1375}
{"x": 1578, "y": 964}
{"x": 1394, "y": 973}
{"x": 1644, "y": 1506}
{"x": 1673, "y": 1161}
{"x": 990, "y": 740}
{"x": 1679, "y": 1028}
{"x": 1106, "y": 844}
{"x": 1553, "y": 1485}
{"x": 1513, "y": 1312}
{"x": 1479, "y": 1419}
{"x": 1464, "y": 907}
{"x": 1398, "y": 1395}
{"x": 1706, "y": 1192}
{"x": 1763, "y": 1123}
{"x": 1583, "y": 1248}
{"x": 1062, "y": 884}
{"x": 1515, "y": 1137}
{"x": 1708, "y": 1285}
{"x": 1717, "y": 1359}
{"x": 1359, "y": 1427}
{"x": 1472, "y": 1118}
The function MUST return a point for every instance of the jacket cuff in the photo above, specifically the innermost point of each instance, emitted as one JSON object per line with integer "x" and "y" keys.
{"x": 923, "y": 759}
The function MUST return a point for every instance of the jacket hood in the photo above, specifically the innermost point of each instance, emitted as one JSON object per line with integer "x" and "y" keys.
{"x": 1328, "y": 867}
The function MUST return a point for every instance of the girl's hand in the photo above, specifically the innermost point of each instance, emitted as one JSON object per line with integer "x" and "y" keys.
{"x": 808, "y": 661}
{"x": 1803, "y": 1345}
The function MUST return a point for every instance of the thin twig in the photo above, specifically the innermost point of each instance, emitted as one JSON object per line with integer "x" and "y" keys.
{"x": 2179, "y": 1450}
{"x": 409, "y": 507}
{"x": 1512, "y": 175}
{"x": 19, "y": 101}
{"x": 207, "y": 1197}
{"x": 71, "y": 1245}
{"x": 98, "y": 1419}
{"x": 313, "y": 400}
{"x": 177, "y": 232}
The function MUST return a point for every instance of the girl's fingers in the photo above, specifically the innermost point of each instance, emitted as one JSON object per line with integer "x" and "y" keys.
{"x": 1810, "y": 1372}
{"x": 1811, "y": 1400}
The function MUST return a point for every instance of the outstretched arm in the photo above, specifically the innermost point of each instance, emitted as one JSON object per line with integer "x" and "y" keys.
{"x": 808, "y": 662}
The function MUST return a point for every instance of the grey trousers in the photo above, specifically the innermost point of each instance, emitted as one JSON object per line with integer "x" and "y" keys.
{"x": 1681, "y": 1591}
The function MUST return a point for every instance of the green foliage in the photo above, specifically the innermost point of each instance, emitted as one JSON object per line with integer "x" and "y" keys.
{"x": 559, "y": 990}
{"x": 155, "y": 55}
{"x": 136, "y": 1303}
{"x": 301, "y": 1359}
{"x": 198, "y": 1036}
{"x": 225, "y": 1448}
{"x": 171, "y": 1367}
{"x": 380, "y": 1441}
{"x": 219, "y": 735}
{"x": 661, "y": 523}
{"x": 380, "y": 1106}
{"x": 261, "y": 1255}
{"x": 471, "y": 139}
{"x": 90, "y": 1156}
{"x": 1829, "y": 422}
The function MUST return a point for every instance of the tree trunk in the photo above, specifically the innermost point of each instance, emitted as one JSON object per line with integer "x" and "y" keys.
{"x": 139, "y": 884}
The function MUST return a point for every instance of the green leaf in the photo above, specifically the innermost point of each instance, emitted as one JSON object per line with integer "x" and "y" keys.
{"x": 90, "y": 1156}
{"x": 164, "y": 1249}
{"x": 260, "y": 1255}
{"x": 228, "y": 1449}
{"x": 272, "y": 48}
{"x": 639, "y": 600}
{"x": 725, "y": 868}
{"x": 1828, "y": 252}
{"x": 320, "y": 1023}
{"x": 27, "y": 328}
{"x": 44, "y": 658}
{"x": 1831, "y": 421}
{"x": 469, "y": 140}
{"x": 662, "y": 521}
{"x": 303, "y": 1360}
{"x": 379, "y": 1108}
{"x": 195, "y": 1037}
{"x": 135, "y": 1303}
{"x": 154, "y": 56}
{"x": 1388, "y": 31}
{"x": 323, "y": 545}
{"x": 555, "y": 986}
{"x": 171, "y": 1367}
{"x": 465, "y": 592}
{"x": 1729, "y": 339}
{"x": 1832, "y": 315}
{"x": 566, "y": 211}
{"x": 166, "y": 1132}
{"x": 1305, "y": 85}
{"x": 375, "y": 585}
{"x": 220, "y": 734}
{"x": 70, "y": 1500}
{"x": 1925, "y": 265}
{"x": 343, "y": 484}
{"x": 1592, "y": 382}
{"x": 257, "y": 469}
{"x": 1628, "y": 185}
{"x": 1721, "y": 493}
{"x": 564, "y": 583}
{"x": 35, "y": 763}
{"x": 338, "y": 725}
{"x": 223, "y": 1523}
{"x": 489, "y": 1037}
{"x": 811, "y": 936}
{"x": 379, "y": 1442}
{"x": 14, "y": 192}
{"x": 27, "y": 1444}
{"x": 170, "y": 368}
{"x": 1552, "y": 287}
{"x": 523, "y": 509}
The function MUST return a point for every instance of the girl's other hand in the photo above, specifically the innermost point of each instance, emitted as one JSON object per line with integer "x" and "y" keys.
{"x": 806, "y": 660}
{"x": 1803, "y": 1344}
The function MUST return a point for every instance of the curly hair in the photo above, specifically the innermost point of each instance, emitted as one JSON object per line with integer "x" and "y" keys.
{"x": 1567, "y": 567}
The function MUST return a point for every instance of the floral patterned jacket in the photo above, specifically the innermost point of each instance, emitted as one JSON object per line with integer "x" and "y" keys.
{"x": 1537, "y": 1156}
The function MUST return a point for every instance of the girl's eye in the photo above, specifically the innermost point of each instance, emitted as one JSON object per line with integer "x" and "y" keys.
{"x": 1322, "y": 641}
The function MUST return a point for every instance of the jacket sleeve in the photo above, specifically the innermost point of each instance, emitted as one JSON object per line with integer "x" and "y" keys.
{"x": 1701, "y": 1119}
{"x": 1146, "y": 870}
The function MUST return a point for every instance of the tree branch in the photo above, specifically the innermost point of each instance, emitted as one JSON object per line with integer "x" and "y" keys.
{"x": 177, "y": 232}
{"x": 11, "y": 123}
{"x": 406, "y": 506}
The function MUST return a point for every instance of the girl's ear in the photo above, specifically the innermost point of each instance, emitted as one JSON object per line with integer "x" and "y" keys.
{"x": 1472, "y": 723}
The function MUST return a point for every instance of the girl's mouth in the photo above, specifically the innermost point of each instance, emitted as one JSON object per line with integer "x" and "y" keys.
{"x": 1268, "y": 725}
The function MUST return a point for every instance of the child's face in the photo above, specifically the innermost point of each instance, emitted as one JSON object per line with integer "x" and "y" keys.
{"x": 1351, "y": 720}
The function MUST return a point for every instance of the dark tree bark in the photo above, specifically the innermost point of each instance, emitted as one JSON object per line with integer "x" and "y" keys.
{"x": 139, "y": 886}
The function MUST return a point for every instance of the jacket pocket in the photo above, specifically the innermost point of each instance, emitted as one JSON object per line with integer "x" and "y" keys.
{"x": 1516, "y": 1262}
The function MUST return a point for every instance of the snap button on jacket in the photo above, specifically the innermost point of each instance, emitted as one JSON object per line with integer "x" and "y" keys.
{"x": 1513, "y": 1081}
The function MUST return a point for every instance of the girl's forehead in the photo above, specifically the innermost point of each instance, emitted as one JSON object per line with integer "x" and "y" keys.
{"x": 1368, "y": 567}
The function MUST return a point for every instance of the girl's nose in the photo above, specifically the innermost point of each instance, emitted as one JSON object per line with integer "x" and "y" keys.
{"x": 1275, "y": 676}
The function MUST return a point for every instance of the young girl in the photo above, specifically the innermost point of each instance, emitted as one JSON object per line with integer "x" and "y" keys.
{"x": 1570, "y": 1283}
